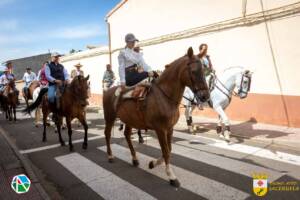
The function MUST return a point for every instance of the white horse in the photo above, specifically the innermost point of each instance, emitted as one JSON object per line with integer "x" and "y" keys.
{"x": 222, "y": 89}
{"x": 38, "y": 110}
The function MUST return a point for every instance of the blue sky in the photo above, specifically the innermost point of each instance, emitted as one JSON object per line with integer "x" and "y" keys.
{"x": 31, "y": 27}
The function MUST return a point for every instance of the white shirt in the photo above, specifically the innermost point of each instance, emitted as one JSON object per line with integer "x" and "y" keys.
{"x": 129, "y": 57}
{"x": 4, "y": 79}
{"x": 28, "y": 78}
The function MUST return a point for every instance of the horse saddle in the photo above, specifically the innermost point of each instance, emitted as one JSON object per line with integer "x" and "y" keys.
{"x": 138, "y": 91}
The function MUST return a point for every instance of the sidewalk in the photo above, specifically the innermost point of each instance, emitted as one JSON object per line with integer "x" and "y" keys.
{"x": 13, "y": 163}
{"x": 252, "y": 130}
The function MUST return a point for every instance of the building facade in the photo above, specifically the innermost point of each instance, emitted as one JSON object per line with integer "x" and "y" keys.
{"x": 261, "y": 35}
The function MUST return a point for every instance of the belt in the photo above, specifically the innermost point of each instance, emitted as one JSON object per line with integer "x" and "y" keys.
{"x": 131, "y": 68}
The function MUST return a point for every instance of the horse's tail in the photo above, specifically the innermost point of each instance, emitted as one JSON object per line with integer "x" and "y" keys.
{"x": 37, "y": 102}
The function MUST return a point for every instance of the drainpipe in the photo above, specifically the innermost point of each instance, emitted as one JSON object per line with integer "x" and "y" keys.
{"x": 109, "y": 42}
{"x": 276, "y": 67}
{"x": 244, "y": 8}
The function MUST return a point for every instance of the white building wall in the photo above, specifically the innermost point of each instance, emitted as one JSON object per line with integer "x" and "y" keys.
{"x": 245, "y": 46}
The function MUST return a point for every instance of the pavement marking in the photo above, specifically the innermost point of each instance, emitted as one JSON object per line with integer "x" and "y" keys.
{"x": 228, "y": 164}
{"x": 242, "y": 148}
{"x": 100, "y": 180}
{"x": 26, "y": 151}
{"x": 198, "y": 184}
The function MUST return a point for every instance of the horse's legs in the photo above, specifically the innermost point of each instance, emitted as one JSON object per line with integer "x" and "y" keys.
{"x": 58, "y": 125}
{"x": 219, "y": 126}
{"x": 225, "y": 121}
{"x": 15, "y": 113}
{"x": 164, "y": 144}
{"x": 107, "y": 132}
{"x": 188, "y": 116}
{"x": 160, "y": 160}
{"x": 127, "y": 133}
{"x": 10, "y": 113}
{"x": 82, "y": 120}
{"x": 37, "y": 116}
{"x": 141, "y": 139}
{"x": 68, "y": 120}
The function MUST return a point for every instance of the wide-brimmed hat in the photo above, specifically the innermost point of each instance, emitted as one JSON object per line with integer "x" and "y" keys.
{"x": 130, "y": 38}
{"x": 55, "y": 54}
{"x": 78, "y": 65}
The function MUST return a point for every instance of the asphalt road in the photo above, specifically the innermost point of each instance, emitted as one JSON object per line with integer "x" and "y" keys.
{"x": 207, "y": 167}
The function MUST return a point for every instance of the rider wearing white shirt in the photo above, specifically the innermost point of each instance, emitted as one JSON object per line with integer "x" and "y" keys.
{"x": 28, "y": 77}
{"x": 4, "y": 79}
{"x": 129, "y": 63}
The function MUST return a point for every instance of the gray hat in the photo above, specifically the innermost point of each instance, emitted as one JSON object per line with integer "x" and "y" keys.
{"x": 130, "y": 38}
{"x": 55, "y": 54}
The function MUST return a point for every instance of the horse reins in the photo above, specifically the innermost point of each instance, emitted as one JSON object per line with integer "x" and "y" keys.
{"x": 192, "y": 81}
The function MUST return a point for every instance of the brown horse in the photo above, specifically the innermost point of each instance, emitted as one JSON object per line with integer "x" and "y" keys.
{"x": 160, "y": 109}
{"x": 9, "y": 100}
{"x": 72, "y": 105}
{"x": 28, "y": 95}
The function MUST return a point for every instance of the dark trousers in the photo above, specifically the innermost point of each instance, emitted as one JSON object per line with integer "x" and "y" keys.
{"x": 133, "y": 77}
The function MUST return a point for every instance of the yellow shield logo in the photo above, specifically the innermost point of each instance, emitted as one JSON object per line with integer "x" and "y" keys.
{"x": 260, "y": 186}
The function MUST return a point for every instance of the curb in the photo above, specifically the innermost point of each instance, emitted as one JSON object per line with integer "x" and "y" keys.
{"x": 27, "y": 166}
{"x": 283, "y": 143}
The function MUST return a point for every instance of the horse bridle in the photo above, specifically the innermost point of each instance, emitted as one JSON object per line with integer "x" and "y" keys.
{"x": 194, "y": 89}
{"x": 240, "y": 91}
{"x": 198, "y": 74}
{"x": 245, "y": 75}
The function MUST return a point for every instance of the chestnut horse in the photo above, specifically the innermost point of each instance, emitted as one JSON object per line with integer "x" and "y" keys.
{"x": 72, "y": 105}
{"x": 9, "y": 101}
{"x": 29, "y": 94}
{"x": 160, "y": 109}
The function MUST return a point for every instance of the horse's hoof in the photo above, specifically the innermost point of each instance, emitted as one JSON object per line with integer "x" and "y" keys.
{"x": 48, "y": 124}
{"x": 71, "y": 148}
{"x": 84, "y": 145}
{"x": 219, "y": 129}
{"x": 44, "y": 140}
{"x": 227, "y": 136}
{"x": 63, "y": 127}
{"x": 63, "y": 143}
{"x": 141, "y": 140}
{"x": 175, "y": 183}
{"x": 135, "y": 163}
{"x": 110, "y": 160}
{"x": 151, "y": 165}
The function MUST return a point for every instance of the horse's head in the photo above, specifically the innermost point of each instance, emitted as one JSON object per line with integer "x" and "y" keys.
{"x": 193, "y": 76}
{"x": 243, "y": 83}
{"x": 10, "y": 86}
{"x": 80, "y": 87}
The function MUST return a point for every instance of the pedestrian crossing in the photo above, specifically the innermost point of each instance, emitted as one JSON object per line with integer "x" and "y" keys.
{"x": 110, "y": 185}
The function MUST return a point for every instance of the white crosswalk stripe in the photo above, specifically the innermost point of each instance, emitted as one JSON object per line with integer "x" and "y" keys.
{"x": 198, "y": 184}
{"x": 242, "y": 148}
{"x": 232, "y": 165}
{"x": 103, "y": 182}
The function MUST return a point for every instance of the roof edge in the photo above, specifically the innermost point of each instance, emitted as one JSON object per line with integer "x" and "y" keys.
{"x": 119, "y": 5}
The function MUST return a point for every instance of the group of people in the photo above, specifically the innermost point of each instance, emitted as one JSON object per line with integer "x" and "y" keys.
{"x": 132, "y": 70}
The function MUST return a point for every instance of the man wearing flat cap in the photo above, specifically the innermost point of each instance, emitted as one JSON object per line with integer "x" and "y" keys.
{"x": 130, "y": 62}
{"x": 28, "y": 77}
{"x": 57, "y": 76}
{"x": 77, "y": 71}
